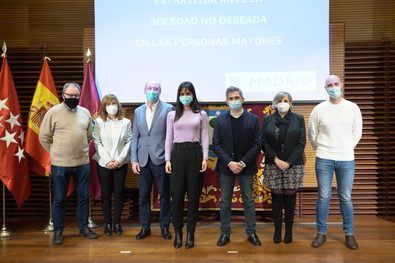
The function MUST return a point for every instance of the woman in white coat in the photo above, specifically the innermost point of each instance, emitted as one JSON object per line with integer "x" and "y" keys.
{"x": 112, "y": 135}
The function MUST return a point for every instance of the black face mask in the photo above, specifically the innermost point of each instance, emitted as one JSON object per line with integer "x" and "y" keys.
{"x": 71, "y": 102}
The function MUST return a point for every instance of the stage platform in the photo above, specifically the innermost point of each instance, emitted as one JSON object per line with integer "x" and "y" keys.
{"x": 376, "y": 237}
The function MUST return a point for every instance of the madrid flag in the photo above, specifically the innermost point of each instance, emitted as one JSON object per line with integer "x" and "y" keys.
{"x": 14, "y": 170}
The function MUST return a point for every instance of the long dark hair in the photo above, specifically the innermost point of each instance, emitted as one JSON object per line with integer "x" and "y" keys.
{"x": 195, "y": 107}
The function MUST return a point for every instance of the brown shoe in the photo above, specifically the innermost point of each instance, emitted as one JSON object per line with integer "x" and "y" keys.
{"x": 351, "y": 243}
{"x": 319, "y": 240}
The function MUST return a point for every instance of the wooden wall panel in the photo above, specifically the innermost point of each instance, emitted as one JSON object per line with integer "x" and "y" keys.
{"x": 369, "y": 81}
{"x": 365, "y": 20}
{"x": 14, "y": 23}
{"x": 60, "y": 24}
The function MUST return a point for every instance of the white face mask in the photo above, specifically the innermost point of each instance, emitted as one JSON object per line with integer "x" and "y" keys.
{"x": 283, "y": 107}
{"x": 112, "y": 109}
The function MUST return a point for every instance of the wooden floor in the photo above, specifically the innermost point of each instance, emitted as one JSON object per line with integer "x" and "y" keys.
{"x": 376, "y": 237}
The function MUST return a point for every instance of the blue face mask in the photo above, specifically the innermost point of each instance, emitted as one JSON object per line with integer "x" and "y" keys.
{"x": 235, "y": 104}
{"x": 186, "y": 100}
{"x": 152, "y": 95}
{"x": 334, "y": 92}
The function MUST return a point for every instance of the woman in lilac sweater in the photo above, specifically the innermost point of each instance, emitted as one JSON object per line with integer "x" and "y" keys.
{"x": 186, "y": 154}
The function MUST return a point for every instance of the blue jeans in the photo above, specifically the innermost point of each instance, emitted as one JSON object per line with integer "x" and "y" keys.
{"x": 148, "y": 175}
{"x": 227, "y": 183}
{"x": 344, "y": 170}
{"x": 61, "y": 178}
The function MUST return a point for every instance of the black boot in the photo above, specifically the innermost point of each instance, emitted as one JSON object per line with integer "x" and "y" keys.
{"x": 277, "y": 209}
{"x": 107, "y": 229}
{"x": 289, "y": 208}
{"x": 190, "y": 242}
{"x": 118, "y": 229}
{"x": 178, "y": 239}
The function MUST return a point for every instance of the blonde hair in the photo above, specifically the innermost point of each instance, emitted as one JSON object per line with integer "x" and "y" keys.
{"x": 106, "y": 101}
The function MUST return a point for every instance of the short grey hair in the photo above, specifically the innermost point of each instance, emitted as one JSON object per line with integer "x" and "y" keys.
{"x": 71, "y": 84}
{"x": 233, "y": 89}
{"x": 153, "y": 82}
{"x": 279, "y": 97}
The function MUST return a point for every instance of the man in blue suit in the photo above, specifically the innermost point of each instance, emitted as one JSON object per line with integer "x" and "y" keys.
{"x": 148, "y": 158}
{"x": 237, "y": 143}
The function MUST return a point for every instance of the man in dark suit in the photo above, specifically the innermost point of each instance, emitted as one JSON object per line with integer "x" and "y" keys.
{"x": 236, "y": 142}
{"x": 148, "y": 158}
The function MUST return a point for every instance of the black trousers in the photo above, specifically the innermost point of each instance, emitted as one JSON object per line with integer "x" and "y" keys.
{"x": 112, "y": 181}
{"x": 186, "y": 162}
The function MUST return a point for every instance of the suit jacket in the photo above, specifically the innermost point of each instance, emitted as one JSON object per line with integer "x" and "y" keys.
{"x": 103, "y": 138}
{"x": 250, "y": 144}
{"x": 150, "y": 143}
{"x": 294, "y": 143}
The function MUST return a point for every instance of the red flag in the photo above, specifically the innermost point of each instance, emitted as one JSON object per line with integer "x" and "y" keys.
{"x": 90, "y": 99}
{"x": 45, "y": 97}
{"x": 14, "y": 170}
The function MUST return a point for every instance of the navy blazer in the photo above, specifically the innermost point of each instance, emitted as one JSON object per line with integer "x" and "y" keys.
{"x": 294, "y": 143}
{"x": 250, "y": 144}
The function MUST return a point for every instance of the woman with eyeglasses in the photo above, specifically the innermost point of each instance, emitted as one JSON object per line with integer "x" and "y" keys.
{"x": 186, "y": 154}
{"x": 112, "y": 135}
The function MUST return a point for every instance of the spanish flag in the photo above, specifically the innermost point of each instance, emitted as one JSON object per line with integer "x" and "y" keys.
{"x": 45, "y": 97}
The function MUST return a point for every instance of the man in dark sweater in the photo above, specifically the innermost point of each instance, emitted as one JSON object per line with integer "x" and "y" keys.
{"x": 236, "y": 142}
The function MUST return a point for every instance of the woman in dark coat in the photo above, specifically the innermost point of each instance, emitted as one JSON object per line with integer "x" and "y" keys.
{"x": 283, "y": 140}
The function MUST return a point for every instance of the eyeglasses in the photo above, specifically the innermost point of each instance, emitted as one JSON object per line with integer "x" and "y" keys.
{"x": 152, "y": 88}
{"x": 77, "y": 96}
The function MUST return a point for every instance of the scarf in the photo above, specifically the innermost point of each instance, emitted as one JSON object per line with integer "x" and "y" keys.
{"x": 282, "y": 124}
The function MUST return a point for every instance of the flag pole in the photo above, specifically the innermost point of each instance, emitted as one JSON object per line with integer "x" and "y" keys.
{"x": 4, "y": 233}
{"x": 91, "y": 223}
{"x": 49, "y": 227}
